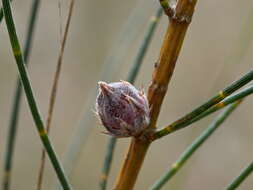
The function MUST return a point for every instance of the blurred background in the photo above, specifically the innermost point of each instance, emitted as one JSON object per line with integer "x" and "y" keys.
{"x": 216, "y": 51}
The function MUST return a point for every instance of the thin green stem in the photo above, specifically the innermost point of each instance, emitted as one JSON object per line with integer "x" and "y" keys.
{"x": 2, "y": 14}
{"x": 239, "y": 179}
{"x": 214, "y": 100}
{"x": 164, "y": 4}
{"x": 131, "y": 78}
{"x": 144, "y": 45}
{"x": 166, "y": 7}
{"x": 107, "y": 162}
{"x": 29, "y": 94}
{"x": 193, "y": 147}
{"x": 17, "y": 99}
{"x": 229, "y": 100}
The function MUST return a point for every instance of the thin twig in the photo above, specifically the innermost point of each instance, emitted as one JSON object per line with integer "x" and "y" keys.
{"x": 12, "y": 129}
{"x": 131, "y": 78}
{"x": 110, "y": 69}
{"x": 214, "y": 100}
{"x": 60, "y": 20}
{"x": 162, "y": 74}
{"x": 29, "y": 94}
{"x": 229, "y": 100}
{"x": 239, "y": 179}
{"x": 194, "y": 146}
{"x": 53, "y": 93}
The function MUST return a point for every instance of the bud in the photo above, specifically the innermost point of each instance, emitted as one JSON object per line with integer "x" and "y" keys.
{"x": 122, "y": 109}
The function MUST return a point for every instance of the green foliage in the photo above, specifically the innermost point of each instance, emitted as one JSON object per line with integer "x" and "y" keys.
{"x": 29, "y": 94}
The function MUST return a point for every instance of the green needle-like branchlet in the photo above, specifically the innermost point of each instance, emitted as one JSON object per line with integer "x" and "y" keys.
{"x": 16, "y": 102}
{"x": 2, "y": 14}
{"x": 229, "y": 100}
{"x": 144, "y": 45}
{"x": 166, "y": 7}
{"x": 29, "y": 94}
{"x": 131, "y": 78}
{"x": 214, "y": 100}
{"x": 107, "y": 162}
{"x": 194, "y": 146}
{"x": 239, "y": 179}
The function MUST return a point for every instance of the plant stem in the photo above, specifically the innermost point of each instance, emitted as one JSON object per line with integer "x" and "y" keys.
{"x": 194, "y": 146}
{"x": 29, "y": 94}
{"x": 164, "y": 68}
{"x": 53, "y": 93}
{"x": 166, "y": 7}
{"x": 239, "y": 179}
{"x": 153, "y": 22}
{"x": 107, "y": 162}
{"x": 124, "y": 181}
{"x": 214, "y": 100}
{"x": 231, "y": 99}
{"x": 2, "y": 14}
{"x": 108, "y": 72}
{"x": 12, "y": 129}
{"x": 131, "y": 78}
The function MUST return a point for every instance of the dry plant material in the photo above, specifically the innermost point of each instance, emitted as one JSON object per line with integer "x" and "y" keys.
{"x": 53, "y": 93}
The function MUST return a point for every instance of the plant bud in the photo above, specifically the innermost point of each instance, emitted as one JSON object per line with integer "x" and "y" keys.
{"x": 122, "y": 109}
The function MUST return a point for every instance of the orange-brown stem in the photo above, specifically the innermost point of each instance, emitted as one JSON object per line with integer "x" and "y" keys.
{"x": 132, "y": 165}
{"x": 171, "y": 47}
{"x": 162, "y": 74}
